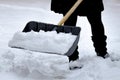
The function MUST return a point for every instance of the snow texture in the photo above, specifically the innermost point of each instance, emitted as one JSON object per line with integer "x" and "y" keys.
{"x": 17, "y": 64}
{"x": 50, "y": 41}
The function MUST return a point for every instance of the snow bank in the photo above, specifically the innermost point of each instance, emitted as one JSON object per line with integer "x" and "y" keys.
{"x": 51, "y": 41}
{"x": 19, "y": 64}
{"x": 96, "y": 68}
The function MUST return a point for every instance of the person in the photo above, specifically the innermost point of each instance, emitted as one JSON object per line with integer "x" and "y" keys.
{"x": 92, "y": 9}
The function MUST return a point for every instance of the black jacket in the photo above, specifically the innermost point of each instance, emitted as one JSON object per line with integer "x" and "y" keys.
{"x": 85, "y": 8}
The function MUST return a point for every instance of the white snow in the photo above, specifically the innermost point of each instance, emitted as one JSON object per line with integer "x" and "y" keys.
{"x": 17, "y": 64}
{"x": 50, "y": 41}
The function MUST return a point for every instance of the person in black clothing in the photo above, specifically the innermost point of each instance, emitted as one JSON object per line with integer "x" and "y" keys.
{"x": 92, "y": 10}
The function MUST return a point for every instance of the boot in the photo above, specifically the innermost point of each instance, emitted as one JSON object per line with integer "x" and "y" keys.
{"x": 74, "y": 60}
{"x": 75, "y": 65}
{"x": 99, "y": 43}
{"x": 74, "y": 56}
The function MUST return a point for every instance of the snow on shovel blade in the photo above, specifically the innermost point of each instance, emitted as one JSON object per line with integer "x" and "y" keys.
{"x": 40, "y": 37}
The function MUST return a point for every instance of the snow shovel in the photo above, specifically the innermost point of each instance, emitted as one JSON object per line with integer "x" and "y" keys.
{"x": 38, "y": 26}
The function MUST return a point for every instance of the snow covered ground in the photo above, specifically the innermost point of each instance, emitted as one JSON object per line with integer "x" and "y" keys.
{"x": 16, "y": 64}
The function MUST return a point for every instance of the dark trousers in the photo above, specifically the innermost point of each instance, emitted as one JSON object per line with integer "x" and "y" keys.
{"x": 98, "y": 34}
{"x": 72, "y": 22}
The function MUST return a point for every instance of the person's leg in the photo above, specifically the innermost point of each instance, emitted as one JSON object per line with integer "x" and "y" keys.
{"x": 98, "y": 34}
{"x": 72, "y": 22}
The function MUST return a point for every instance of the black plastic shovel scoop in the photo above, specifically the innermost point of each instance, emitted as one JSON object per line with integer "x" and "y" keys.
{"x": 38, "y": 26}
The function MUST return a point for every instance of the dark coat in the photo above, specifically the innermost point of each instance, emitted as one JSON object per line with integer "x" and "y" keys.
{"x": 85, "y": 8}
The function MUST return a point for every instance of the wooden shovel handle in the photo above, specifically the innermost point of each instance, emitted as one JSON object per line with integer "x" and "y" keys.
{"x": 68, "y": 14}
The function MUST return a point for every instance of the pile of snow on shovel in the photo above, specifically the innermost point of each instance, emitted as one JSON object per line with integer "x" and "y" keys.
{"x": 50, "y": 41}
